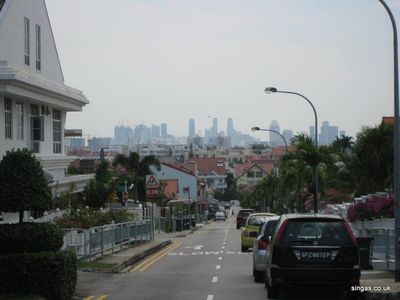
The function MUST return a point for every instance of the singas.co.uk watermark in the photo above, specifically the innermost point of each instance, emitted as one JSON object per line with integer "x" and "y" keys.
{"x": 368, "y": 288}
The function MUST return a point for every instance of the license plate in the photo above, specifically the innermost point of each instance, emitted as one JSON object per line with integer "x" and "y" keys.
{"x": 315, "y": 255}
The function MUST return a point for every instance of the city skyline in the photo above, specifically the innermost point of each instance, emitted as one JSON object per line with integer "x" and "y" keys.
{"x": 222, "y": 59}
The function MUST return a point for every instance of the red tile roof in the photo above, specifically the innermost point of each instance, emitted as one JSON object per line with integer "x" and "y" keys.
{"x": 207, "y": 165}
{"x": 265, "y": 166}
{"x": 171, "y": 189}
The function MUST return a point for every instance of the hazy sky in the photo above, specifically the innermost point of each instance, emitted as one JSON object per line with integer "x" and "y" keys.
{"x": 155, "y": 61}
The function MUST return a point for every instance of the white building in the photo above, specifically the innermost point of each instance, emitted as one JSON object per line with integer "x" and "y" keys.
{"x": 34, "y": 100}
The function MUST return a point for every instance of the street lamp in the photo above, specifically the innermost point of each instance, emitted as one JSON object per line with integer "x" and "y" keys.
{"x": 396, "y": 144}
{"x": 269, "y": 90}
{"x": 274, "y": 131}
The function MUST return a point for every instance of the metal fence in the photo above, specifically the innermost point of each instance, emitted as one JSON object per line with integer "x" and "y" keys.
{"x": 382, "y": 248}
{"x": 87, "y": 243}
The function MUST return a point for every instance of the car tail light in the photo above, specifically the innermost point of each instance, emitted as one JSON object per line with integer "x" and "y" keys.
{"x": 350, "y": 232}
{"x": 262, "y": 244}
{"x": 280, "y": 231}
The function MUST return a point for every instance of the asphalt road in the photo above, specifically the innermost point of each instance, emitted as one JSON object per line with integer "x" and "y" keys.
{"x": 206, "y": 265}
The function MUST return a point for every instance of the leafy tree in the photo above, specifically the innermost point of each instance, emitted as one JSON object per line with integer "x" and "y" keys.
{"x": 23, "y": 184}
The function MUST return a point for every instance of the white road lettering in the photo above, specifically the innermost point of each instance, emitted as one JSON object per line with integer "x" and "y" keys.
{"x": 218, "y": 267}
{"x": 215, "y": 279}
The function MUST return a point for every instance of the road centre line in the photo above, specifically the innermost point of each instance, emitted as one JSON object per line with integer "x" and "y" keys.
{"x": 152, "y": 259}
{"x": 102, "y": 297}
{"x": 210, "y": 297}
{"x": 215, "y": 279}
{"x": 220, "y": 258}
{"x": 218, "y": 267}
{"x": 89, "y": 298}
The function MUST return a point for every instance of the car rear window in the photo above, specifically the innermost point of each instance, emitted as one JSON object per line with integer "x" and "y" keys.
{"x": 257, "y": 220}
{"x": 306, "y": 232}
{"x": 270, "y": 227}
{"x": 245, "y": 213}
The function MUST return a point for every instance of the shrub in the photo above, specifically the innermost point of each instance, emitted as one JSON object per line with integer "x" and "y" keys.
{"x": 87, "y": 218}
{"x": 30, "y": 237}
{"x": 374, "y": 207}
{"x": 50, "y": 274}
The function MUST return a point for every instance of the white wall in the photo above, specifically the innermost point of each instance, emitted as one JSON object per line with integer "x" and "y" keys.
{"x": 12, "y": 37}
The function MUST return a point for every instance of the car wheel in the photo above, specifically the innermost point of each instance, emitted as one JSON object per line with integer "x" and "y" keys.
{"x": 272, "y": 292}
{"x": 244, "y": 249}
{"x": 258, "y": 276}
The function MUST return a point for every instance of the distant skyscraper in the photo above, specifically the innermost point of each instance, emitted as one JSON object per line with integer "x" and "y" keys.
{"x": 215, "y": 127}
{"x": 275, "y": 139}
{"x": 164, "y": 132}
{"x": 288, "y": 135}
{"x": 155, "y": 131}
{"x": 192, "y": 128}
{"x": 229, "y": 127}
{"x": 328, "y": 133}
{"x": 122, "y": 135}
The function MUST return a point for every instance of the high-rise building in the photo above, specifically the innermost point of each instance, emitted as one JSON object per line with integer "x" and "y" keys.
{"x": 155, "y": 131}
{"x": 328, "y": 133}
{"x": 274, "y": 139}
{"x": 122, "y": 135}
{"x": 288, "y": 135}
{"x": 164, "y": 132}
{"x": 192, "y": 128}
{"x": 215, "y": 127}
{"x": 312, "y": 133}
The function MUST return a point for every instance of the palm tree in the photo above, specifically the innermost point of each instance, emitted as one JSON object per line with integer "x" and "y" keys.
{"x": 137, "y": 169}
{"x": 372, "y": 163}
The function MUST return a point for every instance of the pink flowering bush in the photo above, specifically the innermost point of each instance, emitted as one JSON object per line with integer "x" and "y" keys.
{"x": 374, "y": 207}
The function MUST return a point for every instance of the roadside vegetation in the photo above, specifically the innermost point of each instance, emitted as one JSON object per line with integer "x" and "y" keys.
{"x": 346, "y": 169}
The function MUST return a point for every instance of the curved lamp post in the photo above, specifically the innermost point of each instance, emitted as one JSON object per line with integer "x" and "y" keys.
{"x": 269, "y": 90}
{"x": 271, "y": 130}
{"x": 396, "y": 144}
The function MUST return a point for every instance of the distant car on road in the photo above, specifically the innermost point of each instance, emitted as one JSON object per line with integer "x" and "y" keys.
{"x": 220, "y": 215}
{"x": 250, "y": 230}
{"x": 260, "y": 247}
{"x": 241, "y": 217}
{"x": 312, "y": 250}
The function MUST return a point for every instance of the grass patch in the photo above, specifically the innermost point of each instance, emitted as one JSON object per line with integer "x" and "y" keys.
{"x": 94, "y": 265}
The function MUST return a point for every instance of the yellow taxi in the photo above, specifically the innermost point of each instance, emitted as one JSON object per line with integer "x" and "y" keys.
{"x": 250, "y": 230}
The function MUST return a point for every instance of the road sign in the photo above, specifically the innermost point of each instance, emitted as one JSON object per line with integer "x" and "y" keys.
{"x": 151, "y": 181}
{"x": 152, "y": 185}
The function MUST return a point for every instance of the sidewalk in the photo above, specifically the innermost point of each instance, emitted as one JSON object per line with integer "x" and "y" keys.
{"x": 129, "y": 256}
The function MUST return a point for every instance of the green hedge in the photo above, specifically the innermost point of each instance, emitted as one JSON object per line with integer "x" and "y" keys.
{"x": 30, "y": 237}
{"x": 50, "y": 274}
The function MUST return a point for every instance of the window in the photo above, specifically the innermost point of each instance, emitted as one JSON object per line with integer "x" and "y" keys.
{"x": 259, "y": 174}
{"x": 38, "y": 48}
{"x": 27, "y": 40}
{"x": 8, "y": 118}
{"x": 250, "y": 174}
{"x": 37, "y": 128}
{"x": 19, "y": 109}
{"x": 56, "y": 131}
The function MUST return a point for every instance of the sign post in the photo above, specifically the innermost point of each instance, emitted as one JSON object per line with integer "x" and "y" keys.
{"x": 152, "y": 187}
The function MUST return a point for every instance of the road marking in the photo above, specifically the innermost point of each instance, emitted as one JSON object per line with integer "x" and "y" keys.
{"x": 220, "y": 258}
{"x": 102, "y": 297}
{"x": 215, "y": 279}
{"x": 218, "y": 267}
{"x": 198, "y": 247}
{"x": 89, "y": 298}
{"x": 152, "y": 259}
{"x": 210, "y": 297}
{"x": 223, "y": 247}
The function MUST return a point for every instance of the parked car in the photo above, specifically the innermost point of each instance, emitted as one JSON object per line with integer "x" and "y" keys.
{"x": 241, "y": 217}
{"x": 260, "y": 247}
{"x": 220, "y": 215}
{"x": 250, "y": 230}
{"x": 312, "y": 250}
